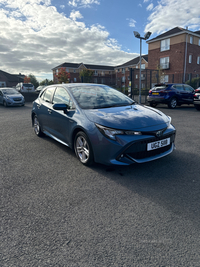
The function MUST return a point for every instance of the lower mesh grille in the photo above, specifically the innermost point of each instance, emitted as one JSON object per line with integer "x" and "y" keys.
{"x": 139, "y": 150}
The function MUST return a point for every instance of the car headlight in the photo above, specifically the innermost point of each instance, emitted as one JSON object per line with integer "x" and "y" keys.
{"x": 8, "y": 97}
{"x": 111, "y": 133}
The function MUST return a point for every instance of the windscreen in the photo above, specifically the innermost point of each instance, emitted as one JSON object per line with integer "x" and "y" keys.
{"x": 10, "y": 92}
{"x": 95, "y": 97}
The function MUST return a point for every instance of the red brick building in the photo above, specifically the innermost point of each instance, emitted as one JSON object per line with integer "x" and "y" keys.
{"x": 175, "y": 52}
{"x": 102, "y": 74}
{"x": 173, "y": 56}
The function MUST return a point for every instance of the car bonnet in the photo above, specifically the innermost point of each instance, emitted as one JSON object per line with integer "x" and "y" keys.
{"x": 133, "y": 117}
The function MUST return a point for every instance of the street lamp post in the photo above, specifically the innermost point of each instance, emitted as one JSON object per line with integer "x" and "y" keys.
{"x": 146, "y": 36}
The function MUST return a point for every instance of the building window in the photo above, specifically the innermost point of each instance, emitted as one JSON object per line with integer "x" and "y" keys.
{"x": 96, "y": 72}
{"x": 118, "y": 70}
{"x": 57, "y": 72}
{"x": 123, "y": 70}
{"x": 198, "y": 60}
{"x": 165, "y": 45}
{"x": 123, "y": 79}
{"x": 190, "y": 58}
{"x": 164, "y": 63}
{"x": 191, "y": 39}
{"x": 102, "y": 73}
{"x": 74, "y": 71}
{"x": 136, "y": 76}
{"x": 67, "y": 69}
{"x": 74, "y": 79}
{"x": 143, "y": 66}
{"x": 164, "y": 79}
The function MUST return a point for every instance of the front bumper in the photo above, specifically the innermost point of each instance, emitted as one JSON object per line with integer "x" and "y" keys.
{"x": 15, "y": 102}
{"x": 127, "y": 150}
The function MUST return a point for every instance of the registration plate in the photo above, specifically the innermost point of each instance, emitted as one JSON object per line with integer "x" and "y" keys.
{"x": 158, "y": 144}
{"x": 155, "y": 93}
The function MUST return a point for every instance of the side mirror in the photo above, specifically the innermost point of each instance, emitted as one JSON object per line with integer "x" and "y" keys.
{"x": 63, "y": 107}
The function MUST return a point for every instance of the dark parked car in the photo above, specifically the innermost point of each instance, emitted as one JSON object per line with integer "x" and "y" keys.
{"x": 11, "y": 97}
{"x": 170, "y": 94}
{"x": 101, "y": 124}
{"x": 197, "y": 99}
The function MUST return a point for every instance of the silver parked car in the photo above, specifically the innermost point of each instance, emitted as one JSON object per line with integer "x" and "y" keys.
{"x": 25, "y": 87}
{"x": 11, "y": 97}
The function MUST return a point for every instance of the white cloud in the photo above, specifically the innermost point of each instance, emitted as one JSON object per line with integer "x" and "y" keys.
{"x": 62, "y": 6}
{"x": 131, "y": 22}
{"x": 35, "y": 38}
{"x": 150, "y": 7}
{"x": 83, "y": 3}
{"x": 172, "y": 13}
{"x": 75, "y": 15}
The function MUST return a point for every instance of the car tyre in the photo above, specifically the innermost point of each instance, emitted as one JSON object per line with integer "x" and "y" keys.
{"x": 173, "y": 103}
{"x": 153, "y": 105}
{"x": 197, "y": 107}
{"x": 83, "y": 149}
{"x": 37, "y": 127}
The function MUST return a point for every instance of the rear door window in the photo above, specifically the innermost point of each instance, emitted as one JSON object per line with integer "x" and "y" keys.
{"x": 179, "y": 87}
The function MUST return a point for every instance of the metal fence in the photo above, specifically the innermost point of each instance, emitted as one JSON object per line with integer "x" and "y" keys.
{"x": 151, "y": 77}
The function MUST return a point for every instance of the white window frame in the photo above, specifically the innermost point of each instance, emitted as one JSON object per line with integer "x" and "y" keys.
{"x": 190, "y": 59}
{"x": 136, "y": 76}
{"x": 165, "y": 44}
{"x": 143, "y": 66}
{"x": 164, "y": 61}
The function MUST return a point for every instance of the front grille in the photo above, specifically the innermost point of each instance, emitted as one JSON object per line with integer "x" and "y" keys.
{"x": 17, "y": 99}
{"x": 138, "y": 150}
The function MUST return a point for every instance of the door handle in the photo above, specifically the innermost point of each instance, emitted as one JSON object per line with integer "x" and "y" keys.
{"x": 38, "y": 106}
{"x": 50, "y": 111}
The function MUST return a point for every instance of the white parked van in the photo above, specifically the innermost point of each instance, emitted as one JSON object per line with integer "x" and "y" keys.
{"x": 25, "y": 87}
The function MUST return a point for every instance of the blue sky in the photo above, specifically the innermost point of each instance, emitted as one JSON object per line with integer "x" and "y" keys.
{"x": 38, "y": 35}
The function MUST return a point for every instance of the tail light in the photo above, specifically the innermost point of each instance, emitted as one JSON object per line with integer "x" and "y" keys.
{"x": 150, "y": 91}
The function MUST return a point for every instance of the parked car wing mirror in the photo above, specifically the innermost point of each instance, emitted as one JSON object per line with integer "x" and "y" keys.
{"x": 63, "y": 107}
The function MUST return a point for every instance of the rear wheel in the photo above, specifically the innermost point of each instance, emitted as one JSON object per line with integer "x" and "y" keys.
{"x": 37, "y": 128}
{"x": 153, "y": 105}
{"x": 83, "y": 149}
{"x": 173, "y": 103}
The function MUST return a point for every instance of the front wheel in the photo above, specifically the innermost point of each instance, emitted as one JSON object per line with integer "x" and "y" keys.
{"x": 173, "y": 103}
{"x": 83, "y": 149}
{"x": 153, "y": 105}
{"x": 37, "y": 128}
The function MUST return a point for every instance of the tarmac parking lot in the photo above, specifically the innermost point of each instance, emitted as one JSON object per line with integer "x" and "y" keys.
{"x": 57, "y": 212}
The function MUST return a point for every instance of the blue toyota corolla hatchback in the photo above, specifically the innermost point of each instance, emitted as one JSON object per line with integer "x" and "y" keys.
{"x": 102, "y": 125}
{"x": 171, "y": 94}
